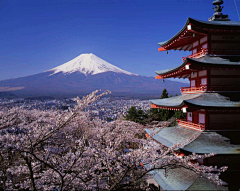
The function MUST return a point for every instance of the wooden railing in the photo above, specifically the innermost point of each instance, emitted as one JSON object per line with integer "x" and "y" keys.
{"x": 193, "y": 89}
{"x": 211, "y": 88}
{"x": 190, "y": 125}
{"x": 200, "y": 54}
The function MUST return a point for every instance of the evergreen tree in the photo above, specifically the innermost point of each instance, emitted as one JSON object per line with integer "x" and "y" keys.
{"x": 180, "y": 115}
{"x": 164, "y": 94}
{"x": 136, "y": 115}
{"x": 161, "y": 114}
{"x": 132, "y": 113}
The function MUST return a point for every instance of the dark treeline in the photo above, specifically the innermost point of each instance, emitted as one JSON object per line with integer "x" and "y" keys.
{"x": 139, "y": 116}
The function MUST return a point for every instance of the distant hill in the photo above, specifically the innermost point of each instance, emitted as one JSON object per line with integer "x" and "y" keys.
{"x": 85, "y": 74}
{"x": 8, "y": 95}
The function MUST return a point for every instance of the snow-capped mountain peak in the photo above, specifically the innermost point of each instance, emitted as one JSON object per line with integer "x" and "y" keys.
{"x": 88, "y": 64}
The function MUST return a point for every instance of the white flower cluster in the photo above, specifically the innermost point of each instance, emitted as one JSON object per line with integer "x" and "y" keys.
{"x": 49, "y": 150}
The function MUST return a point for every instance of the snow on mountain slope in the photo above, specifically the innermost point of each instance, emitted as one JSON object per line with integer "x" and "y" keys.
{"x": 88, "y": 64}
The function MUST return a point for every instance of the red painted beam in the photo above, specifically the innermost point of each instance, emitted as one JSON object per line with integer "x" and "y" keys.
{"x": 158, "y": 77}
{"x": 161, "y": 49}
{"x": 153, "y": 106}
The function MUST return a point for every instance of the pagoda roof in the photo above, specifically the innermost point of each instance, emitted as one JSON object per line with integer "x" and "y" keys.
{"x": 203, "y": 100}
{"x": 216, "y": 60}
{"x": 168, "y": 71}
{"x": 183, "y": 179}
{"x": 225, "y": 25}
{"x": 202, "y": 143}
{"x": 176, "y": 101}
{"x": 207, "y": 60}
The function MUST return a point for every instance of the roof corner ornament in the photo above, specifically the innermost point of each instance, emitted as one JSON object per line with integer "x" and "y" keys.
{"x": 218, "y": 16}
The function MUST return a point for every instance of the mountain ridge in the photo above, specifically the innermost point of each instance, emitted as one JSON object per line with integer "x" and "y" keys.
{"x": 74, "y": 81}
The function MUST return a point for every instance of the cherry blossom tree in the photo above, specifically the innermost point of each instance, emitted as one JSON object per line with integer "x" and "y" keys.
{"x": 69, "y": 150}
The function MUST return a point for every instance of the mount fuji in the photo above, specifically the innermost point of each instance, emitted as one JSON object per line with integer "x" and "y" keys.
{"x": 84, "y": 74}
{"x": 88, "y": 64}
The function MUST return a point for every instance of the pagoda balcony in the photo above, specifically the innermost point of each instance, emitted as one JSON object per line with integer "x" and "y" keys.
{"x": 193, "y": 89}
{"x": 191, "y": 125}
{"x": 202, "y": 89}
{"x": 199, "y": 54}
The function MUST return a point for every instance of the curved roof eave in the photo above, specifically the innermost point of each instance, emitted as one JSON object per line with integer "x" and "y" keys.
{"x": 207, "y": 60}
{"x": 184, "y": 179}
{"x": 215, "y": 60}
{"x": 214, "y": 24}
{"x": 212, "y": 100}
{"x": 162, "y": 72}
{"x": 169, "y": 105}
{"x": 176, "y": 101}
{"x": 211, "y": 142}
{"x": 202, "y": 100}
{"x": 176, "y": 35}
{"x": 204, "y": 105}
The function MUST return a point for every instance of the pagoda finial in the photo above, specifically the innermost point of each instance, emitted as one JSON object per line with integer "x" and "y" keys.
{"x": 218, "y": 8}
{"x": 218, "y": 16}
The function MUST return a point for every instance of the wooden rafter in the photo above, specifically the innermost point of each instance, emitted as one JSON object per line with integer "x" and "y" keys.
{"x": 189, "y": 48}
{"x": 185, "y": 76}
{"x": 186, "y": 47}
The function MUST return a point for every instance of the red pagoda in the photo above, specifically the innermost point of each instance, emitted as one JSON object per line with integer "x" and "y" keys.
{"x": 211, "y": 103}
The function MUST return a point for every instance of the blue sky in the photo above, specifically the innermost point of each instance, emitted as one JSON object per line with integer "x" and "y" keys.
{"x": 37, "y": 35}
